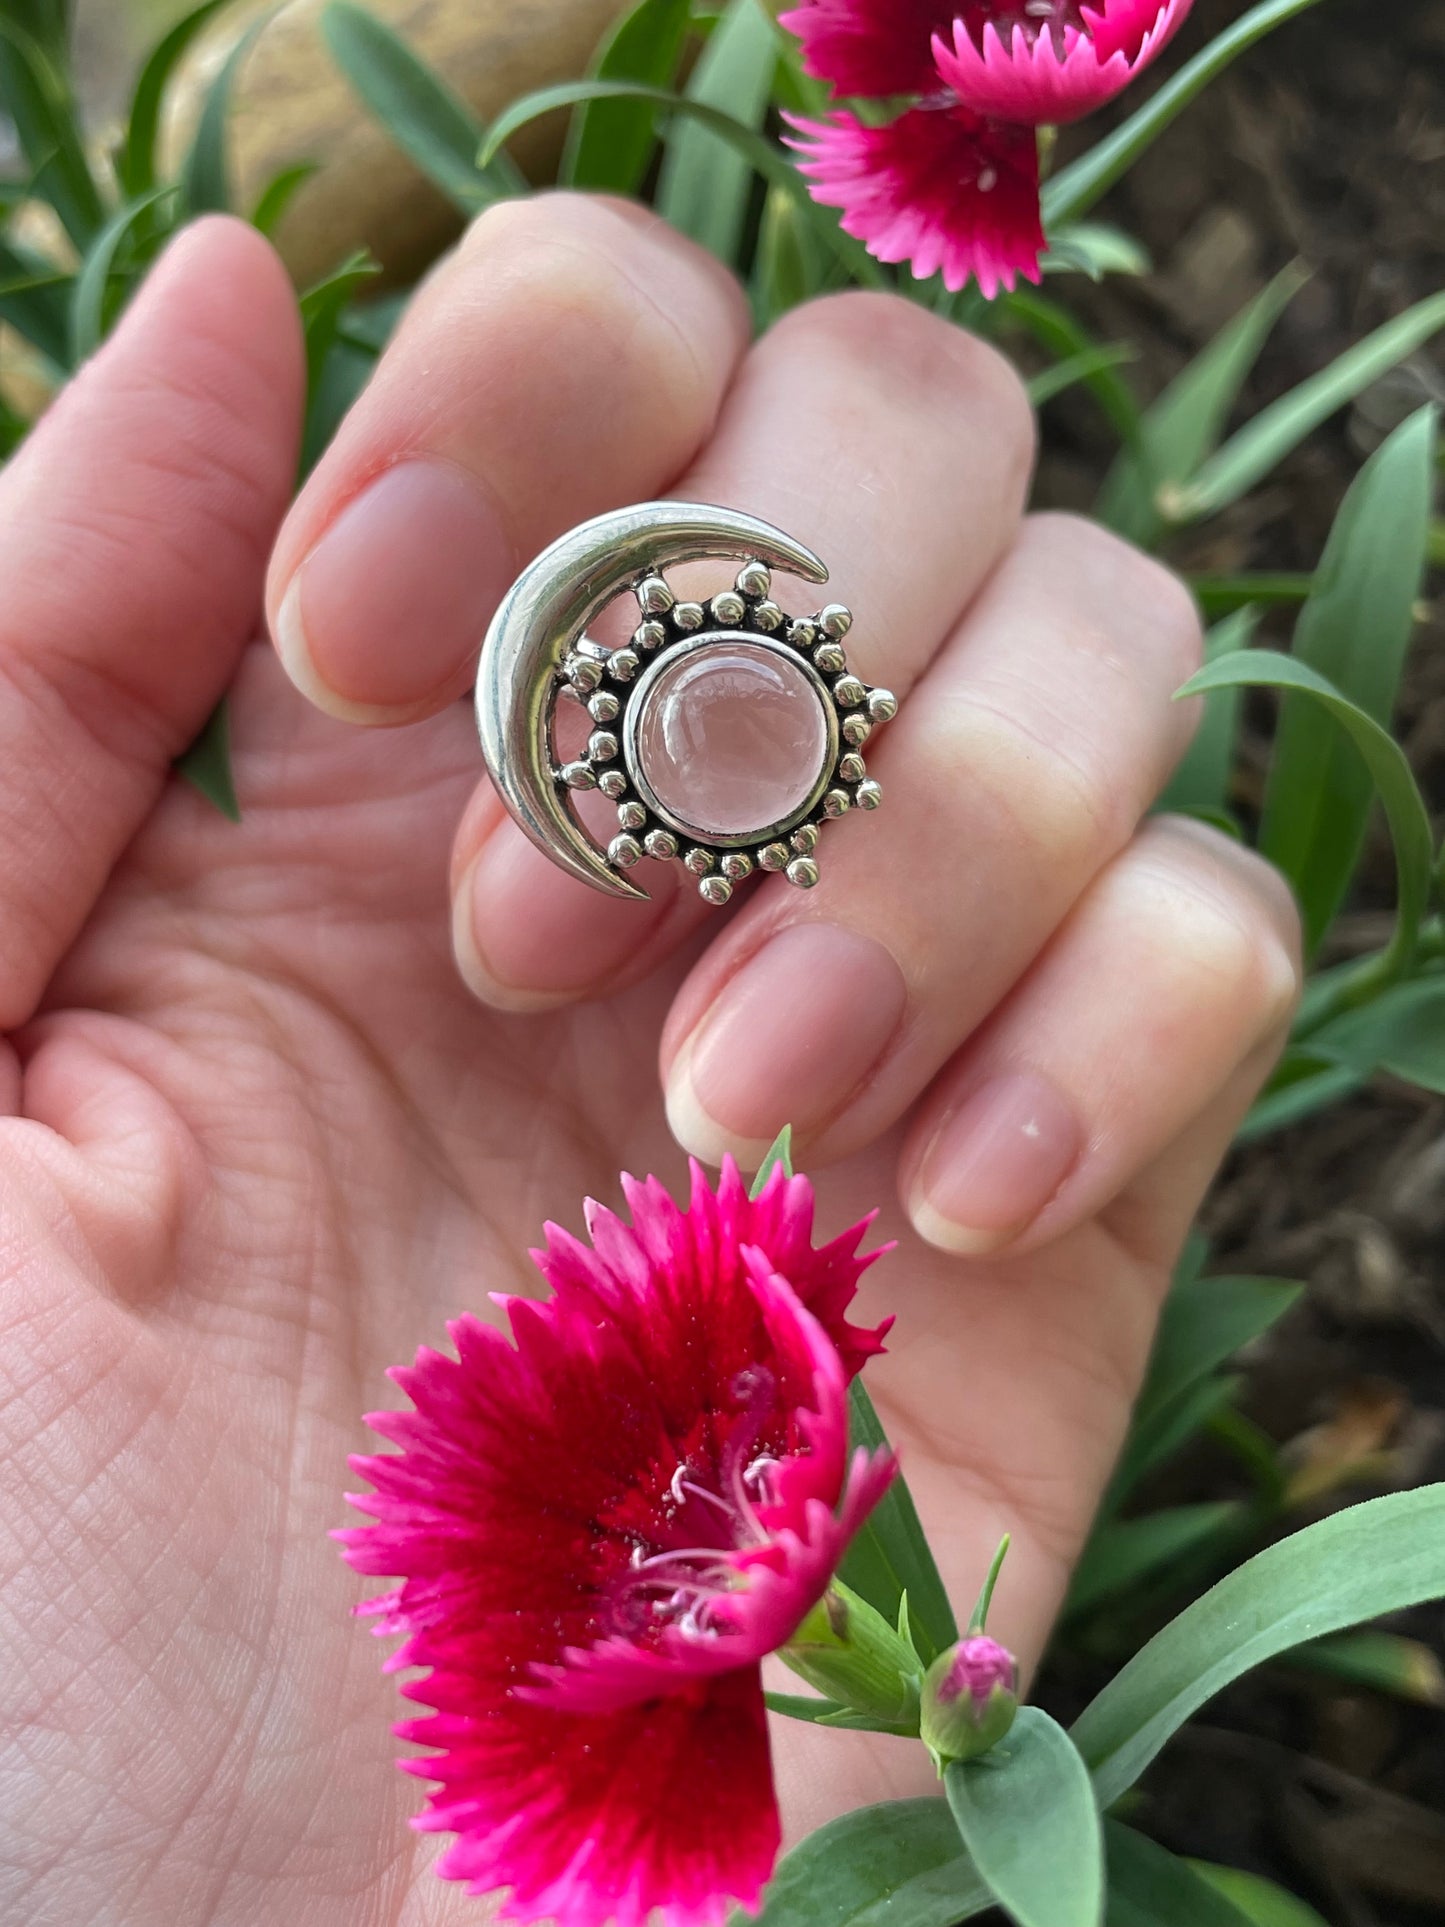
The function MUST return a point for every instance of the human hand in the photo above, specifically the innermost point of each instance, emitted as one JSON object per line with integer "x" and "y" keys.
{"x": 263, "y": 1137}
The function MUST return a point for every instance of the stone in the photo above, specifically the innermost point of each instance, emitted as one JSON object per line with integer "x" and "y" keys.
{"x": 732, "y": 738}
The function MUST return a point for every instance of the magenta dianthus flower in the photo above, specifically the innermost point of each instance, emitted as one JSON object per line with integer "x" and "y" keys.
{"x": 951, "y": 185}
{"x": 602, "y": 1529}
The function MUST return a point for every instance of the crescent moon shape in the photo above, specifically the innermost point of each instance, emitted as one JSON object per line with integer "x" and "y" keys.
{"x": 544, "y": 613}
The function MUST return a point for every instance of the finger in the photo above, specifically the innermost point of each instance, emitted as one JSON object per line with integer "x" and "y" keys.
{"x": 1021, "y": 766}
{"x": 895, "y": 446}
{"x": 1178, "y": 970}
{"x": 569, "y": 358}
{"x": 134, "y": 526}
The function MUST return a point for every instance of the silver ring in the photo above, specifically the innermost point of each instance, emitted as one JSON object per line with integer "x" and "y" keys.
{"x": 724, "y": 734}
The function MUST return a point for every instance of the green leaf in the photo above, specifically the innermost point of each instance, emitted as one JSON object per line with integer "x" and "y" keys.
{"x": 1405, "y": 1668}
{"x": 760, "y": 153}
{"x": 798, "y": 1706}
{"x": 1094, "y": 248}
{"x": 206, "y": 765}
{"x": 1161, "y": 1435}
{"x": 983, "y": 1605}
{"x": 1247, "y": 457}
{"x": 277, "y": 195}
{"x": 705, "y": 185}
{"x": 206, "y": 175}
{"x": 780, "y": 1151}
{"x": 136, "y": 161}
{"x": 610, "y": 142}
{"x": 1186, "y": 422}
{"x": 790, "y": 266}
{"x": 1401, "y": 1031}
{"x": 890, "y": 1555}
{"x": 1355, "y": 629}
{"x": 1259, "y": 1901}
{"x": 1075, "y": 189}
{"x": 336, "y": 371}
{"x": 1201, "y": 780}
{"x": 1311, "y": 1085}
{"x": 429, "y": 123}
{"x": 1375, "y": 1558}
{"x": 1151, "y": 1887}
{"x": 1076, "y": 368}
{"x": 92, "y": 313}
{"x": 1204, "y": 1322}
{"x": 1226, "y": 595}
{"x": 35, "y": 93}
{"x": 898, "y": 1864}
{"x": 1057, "y": 330}
{"x": 1026, "y": 1813}
{"x": 34, "y": 301}
{"x": 1123, "y": 1554}
{"x": 1404, "y": 808}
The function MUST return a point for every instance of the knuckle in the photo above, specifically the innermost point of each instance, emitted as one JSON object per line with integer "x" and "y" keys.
{"x": 1141, "y": 593}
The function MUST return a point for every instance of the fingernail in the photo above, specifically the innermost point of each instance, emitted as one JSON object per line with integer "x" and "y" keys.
{"x": 789, "y": 1041}
{"x": 390, "y": 607}
{"x": 994, "y": 1165}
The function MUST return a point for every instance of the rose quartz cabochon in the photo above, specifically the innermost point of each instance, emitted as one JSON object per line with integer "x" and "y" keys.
{"x": 732, "y": 739}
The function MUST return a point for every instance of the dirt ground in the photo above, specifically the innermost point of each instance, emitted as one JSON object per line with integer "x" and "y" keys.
{"x": 1327, "y": 145}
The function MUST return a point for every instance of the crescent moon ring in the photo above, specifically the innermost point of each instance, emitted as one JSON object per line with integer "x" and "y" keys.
{"x": 718, "y": 657}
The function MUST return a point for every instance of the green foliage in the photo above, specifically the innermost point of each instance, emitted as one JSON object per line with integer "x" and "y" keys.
{"x": 1150, "y": 1887}
{"x": 1027, "y": 1815}
{"x": 610, "y": 142}
{"x": 890, "y": 1559}
{"x": 206, "y": 765}
{"x": 901, "y": 1864}
{"x": 1201, "y": 781}
{"x": 706, "y": 184}
{"x": 136, "y": 161}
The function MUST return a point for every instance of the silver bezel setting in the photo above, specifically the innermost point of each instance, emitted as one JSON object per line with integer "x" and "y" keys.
{"x": 613, "y": 685}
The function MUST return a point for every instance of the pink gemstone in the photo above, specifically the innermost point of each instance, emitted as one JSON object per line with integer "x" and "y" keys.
{"x": 732, "y": 739}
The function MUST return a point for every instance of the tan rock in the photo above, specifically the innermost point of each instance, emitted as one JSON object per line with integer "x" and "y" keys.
{"x": 291, "y": 104}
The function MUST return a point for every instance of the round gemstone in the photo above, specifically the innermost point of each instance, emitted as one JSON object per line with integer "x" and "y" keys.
{"x": 731, "y": 738}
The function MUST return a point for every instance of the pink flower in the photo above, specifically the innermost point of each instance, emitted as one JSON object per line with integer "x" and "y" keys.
{"x": 1052, "y": 60}
{"x": 601, "y": 1530}
{"x": 978, "y": 1664}
{"x": 951, "y": 186}
{"x": 939, "y": 187}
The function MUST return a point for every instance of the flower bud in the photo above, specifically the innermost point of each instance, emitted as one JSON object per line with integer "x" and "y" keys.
{"x": 970, "y": 1697}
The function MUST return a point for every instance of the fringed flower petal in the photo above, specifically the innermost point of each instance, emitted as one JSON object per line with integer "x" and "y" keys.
{"x": 941, "y": 187}
{"x": 872, "y": 48}
{"x": 601, "y": 1529}
{"x": 1015, "y": 68}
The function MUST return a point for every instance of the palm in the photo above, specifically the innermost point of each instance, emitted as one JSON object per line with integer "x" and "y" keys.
{"x": 338, "y": 1149}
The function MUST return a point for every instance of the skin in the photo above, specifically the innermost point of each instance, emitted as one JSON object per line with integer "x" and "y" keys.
{"x": 262, "y": 1136}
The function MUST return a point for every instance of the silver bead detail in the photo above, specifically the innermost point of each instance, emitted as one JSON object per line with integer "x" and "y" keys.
{"x": 602, "y": 746}
{"x": 830, "y": 658}
{"x": 623, "y": 852}
{"x": 837, "y": 803}
{"x": 805, "y": 839}
{"x": 768, "y": 617}
{"x": 654, "y": 597}
{"x": 699, "y": 861}
{"x": 578, "y": 776}
{"x": 728, "y": 608}
{"x": 851, "y": 768}
{"x": 715, "y": 890}
{"x": 649, "y": 635}
{"x": 870, "y": 795}
{"x": 835, "y": 620}
{"x": 882, "y": 705}
{"x": 689, "y": 616}
{"x": 661, "y": 844}
{"x": 856, "y": 729}
{"x": 623, "y": 665}
{"x": 848, "y": 692}
{"x": 754, "y": 579}
{"x": 631, "y": 816}
{"x": 802, "y": 635}
{"x": 803, "y": 871}
{"x": 737, "y": 864}
{"x": 604, "y": 707}
{"x": 583, "y": 673}
{"x": 774, "y": 856}
{"x": 613, "y": 782}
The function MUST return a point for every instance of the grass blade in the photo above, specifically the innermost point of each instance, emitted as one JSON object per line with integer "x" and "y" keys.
{"x": 890, "y": 1556}
{"x": 35, "y": 93}
{"x": 136, "y": 161}
{"x": 705, "y": 185}
{"x": 1355, "y": 629}
{"x": 1122, "y": 1555}
{"x": 1250, "y": 455}
{"x": 610, "y": 142}
{"x": 206, "y": 765}
{"x": 1201, "y": 779}
{"x": 92, "y": 309}
{"x": 206, "y": 174}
